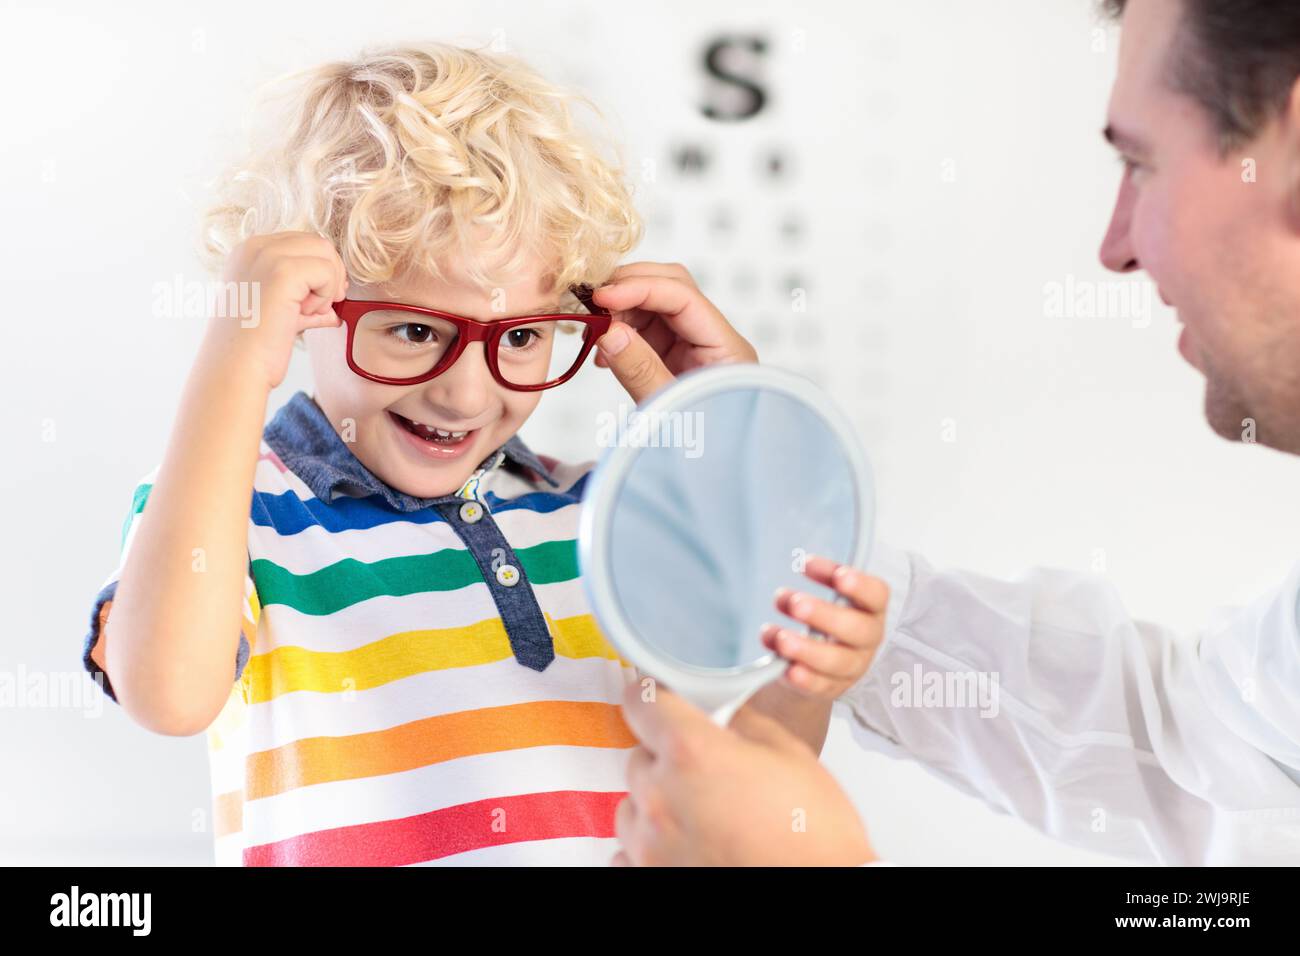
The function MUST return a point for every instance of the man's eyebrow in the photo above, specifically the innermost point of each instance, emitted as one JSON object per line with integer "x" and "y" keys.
{"x": 1124, "y": 142}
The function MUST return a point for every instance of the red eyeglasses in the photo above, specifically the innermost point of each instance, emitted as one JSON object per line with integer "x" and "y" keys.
{"x": 405, "y": 344}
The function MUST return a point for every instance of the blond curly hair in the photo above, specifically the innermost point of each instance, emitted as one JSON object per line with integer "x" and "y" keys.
{"x": 414, "y": 157}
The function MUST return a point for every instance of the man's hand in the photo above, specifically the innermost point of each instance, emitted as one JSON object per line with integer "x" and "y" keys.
{"x": 750, "y": 795}
{"x": 827, "y": 668}
{"x": 663, "y": 326}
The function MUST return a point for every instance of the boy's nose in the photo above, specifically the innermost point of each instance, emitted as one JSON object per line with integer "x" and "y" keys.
{"x": 462, "y": 392}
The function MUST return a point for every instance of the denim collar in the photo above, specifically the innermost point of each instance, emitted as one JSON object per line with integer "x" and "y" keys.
{"x": 310, "y": 447}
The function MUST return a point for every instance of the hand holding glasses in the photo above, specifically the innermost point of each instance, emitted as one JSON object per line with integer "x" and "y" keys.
{"x": 398, "y": 344}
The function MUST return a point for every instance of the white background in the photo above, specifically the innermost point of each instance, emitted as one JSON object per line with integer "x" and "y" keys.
{"x": 945, "y": 160}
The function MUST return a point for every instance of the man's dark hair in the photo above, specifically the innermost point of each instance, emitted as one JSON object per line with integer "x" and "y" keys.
{"x": 1238, "y": 58}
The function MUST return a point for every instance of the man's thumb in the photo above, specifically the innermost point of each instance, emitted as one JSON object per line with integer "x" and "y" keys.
{"x": 637, "y": 366}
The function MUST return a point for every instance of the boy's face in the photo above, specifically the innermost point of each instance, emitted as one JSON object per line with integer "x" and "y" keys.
{"x": 464, "y": 398}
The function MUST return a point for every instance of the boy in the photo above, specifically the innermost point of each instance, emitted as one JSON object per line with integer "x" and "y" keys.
{"x": 416, "y": 677}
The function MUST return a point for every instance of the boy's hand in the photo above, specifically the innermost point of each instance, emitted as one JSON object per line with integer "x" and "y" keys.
{"x": 664, "y": 326}
{"x": 294, "y": 277}
{"x": 827, "y": 668}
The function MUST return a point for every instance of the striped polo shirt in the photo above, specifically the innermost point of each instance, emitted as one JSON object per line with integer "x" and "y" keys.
{"x": 418, "y": 681}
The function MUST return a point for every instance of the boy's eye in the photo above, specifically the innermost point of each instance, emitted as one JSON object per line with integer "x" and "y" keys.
{"x": 415, "y": 333}
{"x": 521, "y": 338}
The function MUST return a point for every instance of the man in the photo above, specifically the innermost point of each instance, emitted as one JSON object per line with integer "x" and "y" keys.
{"x": 1108, "y": 733}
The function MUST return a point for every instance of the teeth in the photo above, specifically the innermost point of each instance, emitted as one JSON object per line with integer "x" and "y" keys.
{"x": 435, "y": 432}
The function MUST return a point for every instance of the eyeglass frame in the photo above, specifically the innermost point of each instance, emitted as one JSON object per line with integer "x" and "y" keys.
{"x": 596, "y": 322}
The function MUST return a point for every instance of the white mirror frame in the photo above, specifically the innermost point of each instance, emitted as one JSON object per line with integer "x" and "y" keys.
{"x": 721, "y": 691}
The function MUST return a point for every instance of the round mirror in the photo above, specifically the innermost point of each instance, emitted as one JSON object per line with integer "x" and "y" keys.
{"x": 710, "y": 498}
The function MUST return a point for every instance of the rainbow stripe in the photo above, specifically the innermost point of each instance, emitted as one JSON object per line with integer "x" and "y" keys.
{"x": 382, "y": 718}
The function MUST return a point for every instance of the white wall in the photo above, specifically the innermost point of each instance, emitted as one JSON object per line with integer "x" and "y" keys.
{"x": 947, "y": 167}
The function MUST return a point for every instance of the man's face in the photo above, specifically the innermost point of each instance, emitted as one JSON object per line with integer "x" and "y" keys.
{"x": 1217, "y": 234}
{"x": 376, "y": 418}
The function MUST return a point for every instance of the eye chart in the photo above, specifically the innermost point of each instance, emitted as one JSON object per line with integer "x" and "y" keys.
{"x": 732, "y": 156}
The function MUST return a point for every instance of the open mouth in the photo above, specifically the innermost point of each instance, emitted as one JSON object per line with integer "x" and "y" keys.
{"x": 434, "y": 436}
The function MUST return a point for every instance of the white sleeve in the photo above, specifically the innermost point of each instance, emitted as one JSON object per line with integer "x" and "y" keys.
{"x": 1044, "y": 698}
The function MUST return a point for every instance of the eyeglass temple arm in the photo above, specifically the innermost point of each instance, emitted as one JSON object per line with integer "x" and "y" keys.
{"x": 583, "y": 293}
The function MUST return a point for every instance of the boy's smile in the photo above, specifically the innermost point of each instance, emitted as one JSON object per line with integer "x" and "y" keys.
{"x": 437, "y": 443}
{"x": 426, "y": 440}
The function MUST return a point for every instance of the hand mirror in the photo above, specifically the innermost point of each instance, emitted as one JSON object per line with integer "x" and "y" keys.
{"x": 707, "y": 500}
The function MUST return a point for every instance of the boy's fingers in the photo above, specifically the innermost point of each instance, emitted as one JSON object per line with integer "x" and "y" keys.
{"x": 636, "y": 365}
{"x": 323, "y": 320}
{"x": 315, "y": 304}
{"x": 301, "y": 244}
{"x": 659, "y": 337}
{"x": 306, "y": 276}
{"x": 649, "y": 326}
{"x": 672, "y": 269}
{"x": 691, "y": 316}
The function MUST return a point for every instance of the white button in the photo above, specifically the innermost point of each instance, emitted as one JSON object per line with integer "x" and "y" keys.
{"x": 508, "y": 575}
{"x": 470, "y": 512}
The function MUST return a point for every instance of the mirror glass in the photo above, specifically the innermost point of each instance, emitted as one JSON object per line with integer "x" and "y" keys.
{"x": 723, "y": 498}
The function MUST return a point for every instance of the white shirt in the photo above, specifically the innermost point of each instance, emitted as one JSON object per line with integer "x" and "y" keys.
{"x": 1107, "y": 733}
